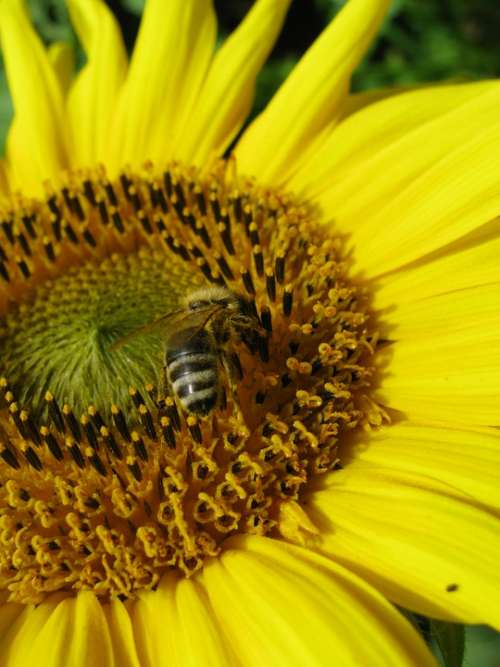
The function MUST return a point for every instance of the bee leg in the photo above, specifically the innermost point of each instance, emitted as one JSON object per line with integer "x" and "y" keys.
{"x": 233, "y": 372}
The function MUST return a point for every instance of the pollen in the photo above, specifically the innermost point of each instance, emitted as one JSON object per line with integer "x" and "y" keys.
{"x": 106, "y": 483}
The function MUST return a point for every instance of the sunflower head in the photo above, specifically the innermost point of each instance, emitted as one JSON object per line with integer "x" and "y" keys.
{"x": 111, "y": 482}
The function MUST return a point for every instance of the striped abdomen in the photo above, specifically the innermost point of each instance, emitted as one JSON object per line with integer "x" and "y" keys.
{"x": 192, "y": 371}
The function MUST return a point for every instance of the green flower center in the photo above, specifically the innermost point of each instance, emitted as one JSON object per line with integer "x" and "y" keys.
{"x": 60, "y": 340}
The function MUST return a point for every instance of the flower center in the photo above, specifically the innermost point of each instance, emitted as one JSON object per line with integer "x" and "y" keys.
{"x": 106, "y": 480}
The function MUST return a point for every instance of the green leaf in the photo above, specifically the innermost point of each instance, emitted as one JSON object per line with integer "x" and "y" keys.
{"x": 450, "y": 638}
{"x": 134, "y": 6}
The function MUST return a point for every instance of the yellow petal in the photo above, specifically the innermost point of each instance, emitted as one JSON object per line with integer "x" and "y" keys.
{"x": 170, "y": 60}
{"x": 62, "y": 58}
{"x": 226, "y": 96}
{"x": 467, "y": 312}
{"x": 470, "y": 262}
{"x": 121, "y": 633}
{"x": 76, "y": 631}
{"x": 452, "y": 377}
{"x": 426, "y": 550}
{"x": 9, "y": 612}
{"x": 284, "y": 605}
{"x": 37, "y": 100}
{"x": 377, "y": 131}
{"x": 93, "y": 97}
{"x": 463, "y": 462}
{"x": 175, "y": 626}
{"x": 310, "y": 99}
{"x": 445, "y": 184}
{"x": 16, "y": 640}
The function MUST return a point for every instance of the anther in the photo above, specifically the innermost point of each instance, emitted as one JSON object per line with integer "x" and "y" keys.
{"x": 168, "y": 432}
{"x": 97, "y": 464}
{"x": 136, "y": 397}
{"x": 179, "y": 192}
{"x": 10, "y": 458}
{"x": 4, "y": 273}
{"x": 51, "y": 443}
{"x": 28, "y": 222}
{"x": 72, "y": 422}
{"x": 120, "y": 423}
{"x": 139, "y": 446}
{"x": 248, "y": 282}
{"x": 126, "y": 183}
{"x": 258, "y": 259}
{"x": 49, "y": 249}
{"x": 145, "y": 223}
{"x": 56, "y": 228}
{"x": 21, "y": 239}
{"x": 214, "y": 204}
{"x": 135, "y": 199}
{"x": 194, "y": 429}
{"x": 23, "y": 267}
{"x": 95, "y": 416}
{"x": 111, "y": 443}
{"x": 54, "y": 412}
{"x": 87, "y": 235}
{"x": 54, "y": 207}
{"x": 75, "y": 453}
{"x": 266, "y": 319}
{"x": 147, "y": 421}
{"x": 90, "y": 433}
{"x": 270, "y": 285}
{"x": 260, "y": 397}
{"x": 70, "y": 233}
{"x": 263, "y": 346}
{"x": 118, "y": 222}
{"x": 7, "y": 230}
{"x": 200, "y": 200}
{"x": 14, "y": 413}
{"x": 287, "y": 301}
{"x": 33, "y": 459}
{"x": 88, "y": 191}
{"x": 254, "y": 234}
{"x": 30, "y": 427}
{"x": 133, "y": 466}
{"x": 205, "y": 269}
{"x": 112, "y": 198}
{"x": 237, "y": 208}
{"x": 77, "y": 208}
{"x": 161, "y": 200}
{"x": 167, "y": 180}
{"x": 225, "y": 232}
{"x": 224, "y": 266}
{"x": 279, "y": 268}
{"x": 202, "y": 232}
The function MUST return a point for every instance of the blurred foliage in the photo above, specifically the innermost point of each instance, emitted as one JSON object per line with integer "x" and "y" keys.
{"x": 421, "y": 40}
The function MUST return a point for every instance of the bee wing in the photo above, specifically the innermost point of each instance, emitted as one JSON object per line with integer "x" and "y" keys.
{"x": 197, "y": 320}
{"x": 146, "y": 328}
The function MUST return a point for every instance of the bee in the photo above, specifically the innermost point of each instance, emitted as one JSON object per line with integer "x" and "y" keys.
{"x": 196, "y": 345}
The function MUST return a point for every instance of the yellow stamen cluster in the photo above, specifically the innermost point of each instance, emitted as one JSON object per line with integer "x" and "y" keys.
{"x": 109, "y": 494}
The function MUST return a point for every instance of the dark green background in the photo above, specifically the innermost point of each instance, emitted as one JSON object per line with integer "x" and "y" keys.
{"x": 422, "y": 40}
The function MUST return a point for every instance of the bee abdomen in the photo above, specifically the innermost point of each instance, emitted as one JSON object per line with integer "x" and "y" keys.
{"x": 194, "y": 380}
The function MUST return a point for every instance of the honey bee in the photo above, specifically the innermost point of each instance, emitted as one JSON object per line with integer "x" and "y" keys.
{"x": 196, "y": 344}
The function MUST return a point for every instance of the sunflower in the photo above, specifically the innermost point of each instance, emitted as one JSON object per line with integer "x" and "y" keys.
{"x": 351, "y": 461}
